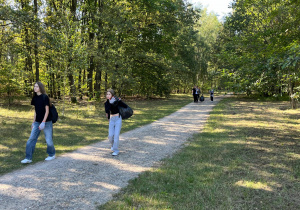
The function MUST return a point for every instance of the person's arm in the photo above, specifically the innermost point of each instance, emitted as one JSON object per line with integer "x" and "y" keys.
{"x": 46, "y": 114}
{"x": 34, "y": 117}
{"x": 33, "y": 120}
{"x": 42, "y": 125}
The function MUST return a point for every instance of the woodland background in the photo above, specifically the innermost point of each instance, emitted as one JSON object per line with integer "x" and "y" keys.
{"x": 147, "y": 48}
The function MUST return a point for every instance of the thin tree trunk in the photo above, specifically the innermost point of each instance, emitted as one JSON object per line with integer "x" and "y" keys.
{"x": 106, "y": 85}
{"x": 79, "y": 84}
{"x": 98, "y": 82}
{"x": 91, "y": 68}
{"x": 28, "y": 60}
{"x": 70, "y": 73}
{"x": 90, "y": 76}
{"x": 54, "y": 87}
{"x": 37, "y": 73}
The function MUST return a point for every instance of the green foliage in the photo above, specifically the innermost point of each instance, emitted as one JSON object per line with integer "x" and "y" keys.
{"x": 81, "y": 48}
{"x": 239, "y": 161}
{"x": 259, "y": 47}
{"x": 82, "y": 124}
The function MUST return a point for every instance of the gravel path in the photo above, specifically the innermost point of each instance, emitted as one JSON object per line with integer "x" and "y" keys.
{"x": 90, "y": 176}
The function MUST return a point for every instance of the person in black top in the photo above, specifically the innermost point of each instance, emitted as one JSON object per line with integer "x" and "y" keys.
{"x": 197, "y": 93}
{"x": 211, "y": 95}
{"x": 42, "y": 121}
{"x": 194, "y": 90}
{"x": 115, "y": 119}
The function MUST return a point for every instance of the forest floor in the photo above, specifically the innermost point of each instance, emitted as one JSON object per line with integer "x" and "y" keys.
{"x": 89, "y": 176}
{"x": 247, "y": 156}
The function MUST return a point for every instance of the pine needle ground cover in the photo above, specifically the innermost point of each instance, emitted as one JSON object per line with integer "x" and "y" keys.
{"x": 247, "y": 157}
{"x": 81, "y": 124}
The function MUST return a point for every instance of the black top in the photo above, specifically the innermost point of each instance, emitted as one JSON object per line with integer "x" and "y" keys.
{"x": 113, "y": 108}
{"x": 39, "y": 103}
{"x": 194, "y": 91}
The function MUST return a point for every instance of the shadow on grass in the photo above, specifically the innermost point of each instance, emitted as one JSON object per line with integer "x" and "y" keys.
{"x": 231, "y": 165}
{"x": 81, "y": 125}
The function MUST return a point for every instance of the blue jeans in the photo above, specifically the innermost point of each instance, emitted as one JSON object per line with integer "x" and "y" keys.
{"x": 35, "y": 132}
{"x": 115, "y": 124}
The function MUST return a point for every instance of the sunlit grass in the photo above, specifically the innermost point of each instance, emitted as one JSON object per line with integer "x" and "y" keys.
{"x": 247, "y": 157}
{"x": 81, "y": 124}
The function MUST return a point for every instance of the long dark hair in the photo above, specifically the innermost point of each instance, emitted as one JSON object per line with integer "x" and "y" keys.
{"x": 42, "y": 90}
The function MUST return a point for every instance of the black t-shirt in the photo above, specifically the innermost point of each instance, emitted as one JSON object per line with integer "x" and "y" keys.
{"x": 39, "y": 103}
{"x": 113, "y": 108}
{"x": 194, "y": 91}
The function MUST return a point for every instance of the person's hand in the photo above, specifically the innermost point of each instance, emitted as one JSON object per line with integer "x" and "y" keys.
{"x": 42, "y": 126}
{"x": 32, "y": 125}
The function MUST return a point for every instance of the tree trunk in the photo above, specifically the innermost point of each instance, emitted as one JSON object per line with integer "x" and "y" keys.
{"x": 70, "y": 73}
{"x": 98, "y": 83}
{"x": 37, "y": 73}
{"x": 53, "y": 87}
{"x": 60, "y": 79}
{"x": 28, "y": 60}
{"x": 91, "y": 68}
{"x": 106, "y": 85}
{"x": 79, "y": 84}
{"x": 90, "y": 76}
{"x": 71, "y": 83}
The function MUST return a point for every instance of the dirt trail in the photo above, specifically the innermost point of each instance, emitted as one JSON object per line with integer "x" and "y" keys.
{"x": 90, "y": 176}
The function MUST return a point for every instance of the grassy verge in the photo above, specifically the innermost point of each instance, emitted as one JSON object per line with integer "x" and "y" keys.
{"x": 82, "y": 124}
{"x": 247, "y": 157}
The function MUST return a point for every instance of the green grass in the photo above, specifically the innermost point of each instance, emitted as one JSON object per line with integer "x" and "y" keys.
{"x": 82, "y": 124}
{"x": 247, "y": 157}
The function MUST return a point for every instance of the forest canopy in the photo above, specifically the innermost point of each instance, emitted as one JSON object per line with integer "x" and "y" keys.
{"x": 148, "y": 47}
{"x": 83, "y": 47}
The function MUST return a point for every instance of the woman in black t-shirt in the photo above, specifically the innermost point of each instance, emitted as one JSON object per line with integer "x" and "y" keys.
{"x": 115, "y": 119}
{"x": 42, "y": 121}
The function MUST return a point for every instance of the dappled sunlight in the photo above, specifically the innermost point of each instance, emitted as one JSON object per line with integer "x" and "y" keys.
{"x": 155, "y": 141}
{"x": 245, "y": 124}
{"x": 219, "y": 130}
{"x": 91, "y": 172}
{"x": 261, "y": 148}
{"x": 96, "y": 158}
{"x": 263, "y": 173}
{"x": 281, "y": 166}
{"x": 3, "y": 147}
{"x": 254, "y": 185}
{"x": 293, "y": 156}
{"x": 20, "y": 192}
{"x": 106, "y": 186}
{"x": 67, "y": 185}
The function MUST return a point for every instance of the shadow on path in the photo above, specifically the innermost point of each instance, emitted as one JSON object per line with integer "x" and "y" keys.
{"x": 90, "y": 176}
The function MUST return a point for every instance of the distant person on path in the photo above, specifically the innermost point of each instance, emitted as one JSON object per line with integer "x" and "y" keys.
{"x": 194, "y": 93}
{"x": 41, "y": 121}
{"x": 115, "y": 119}
{"x": 211, "y": 95}
{"x": 198, "y": 93}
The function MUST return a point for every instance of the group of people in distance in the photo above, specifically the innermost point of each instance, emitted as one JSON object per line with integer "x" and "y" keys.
{"x": 196, "y": 94}
{"x": 42, "y": 120}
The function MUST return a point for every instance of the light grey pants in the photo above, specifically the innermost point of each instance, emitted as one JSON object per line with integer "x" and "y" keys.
{"x": 115, "y": 124}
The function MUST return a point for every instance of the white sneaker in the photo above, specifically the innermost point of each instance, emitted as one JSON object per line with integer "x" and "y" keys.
{"x": 50, "y": 158}
{"x": 26, "y": 161}
{"x": 114, "y": 154}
